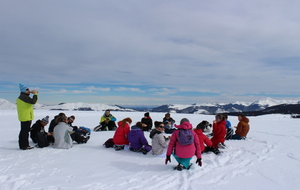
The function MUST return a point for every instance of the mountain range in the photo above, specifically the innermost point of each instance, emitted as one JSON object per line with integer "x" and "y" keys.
{"x": 265, "y": 106}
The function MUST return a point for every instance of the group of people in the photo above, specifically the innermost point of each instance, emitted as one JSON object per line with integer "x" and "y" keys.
{"x": 61, "y": 133}
{"x": 183, "y": 144}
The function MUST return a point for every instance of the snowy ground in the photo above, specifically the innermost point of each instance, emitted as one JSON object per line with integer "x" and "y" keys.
{"x": 268, "y": 159}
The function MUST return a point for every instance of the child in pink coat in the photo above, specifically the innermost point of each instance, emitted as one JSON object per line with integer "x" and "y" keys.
{"x": 183, "y": 153}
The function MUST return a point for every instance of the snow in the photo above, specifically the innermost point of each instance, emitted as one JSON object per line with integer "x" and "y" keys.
{"x": 272, "y": 102}
{"x": 6, "y": 105}
{"x": 268, "y": 159}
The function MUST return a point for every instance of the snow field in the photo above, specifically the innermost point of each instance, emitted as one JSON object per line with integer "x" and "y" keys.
{"x": 268, "y": 159}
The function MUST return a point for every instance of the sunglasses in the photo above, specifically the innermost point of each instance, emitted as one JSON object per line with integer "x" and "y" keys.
{"x": 161, "y": 126}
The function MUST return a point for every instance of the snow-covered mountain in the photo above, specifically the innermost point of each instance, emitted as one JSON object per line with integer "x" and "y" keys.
{"x": 223, "y": 107}
{"x": 6, "y": 105}
{"x": 206, "y": 108}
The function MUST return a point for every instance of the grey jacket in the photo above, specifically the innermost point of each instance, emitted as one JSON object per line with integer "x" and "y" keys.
{"x": 159, "y": 144}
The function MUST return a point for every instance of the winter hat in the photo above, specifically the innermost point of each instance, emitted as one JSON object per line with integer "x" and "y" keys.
{"x": 45, "y": 119}
{"x": 184, "y": 120}
{"x": 22, "y": 87}
{"x": 147, "y": 114}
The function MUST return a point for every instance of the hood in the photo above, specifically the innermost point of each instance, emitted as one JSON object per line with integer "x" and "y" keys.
{"x": 223, "y": 122}
{"x": 134, "y": 127}
{"x": 184, "y": 125}
{"x": 153, "y": 132}
{"x": 245, "y": 119}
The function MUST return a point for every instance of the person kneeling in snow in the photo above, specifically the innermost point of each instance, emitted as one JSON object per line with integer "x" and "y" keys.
{"x": 61, "y": 134}
{"x": 137, "y": 140}
{"x": 184, "y": 144}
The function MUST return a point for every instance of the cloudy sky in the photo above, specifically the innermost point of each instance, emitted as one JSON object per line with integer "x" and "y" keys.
{"x": 150, "y": 52}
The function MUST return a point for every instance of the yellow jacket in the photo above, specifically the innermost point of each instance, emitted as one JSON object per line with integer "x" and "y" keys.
{"x": 25, "y": 107}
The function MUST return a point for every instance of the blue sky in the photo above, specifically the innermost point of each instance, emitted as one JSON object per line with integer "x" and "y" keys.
{"x": 150, "y": 52}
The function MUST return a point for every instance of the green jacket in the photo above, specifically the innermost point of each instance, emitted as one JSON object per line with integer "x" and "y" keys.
{"x": 25, "y": 106}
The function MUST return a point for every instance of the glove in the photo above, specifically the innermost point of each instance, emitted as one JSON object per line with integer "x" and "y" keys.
{"x": 168, "y": 159}
{"x": 199, "y": 162}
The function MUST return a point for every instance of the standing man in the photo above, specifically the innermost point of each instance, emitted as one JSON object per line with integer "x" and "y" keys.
{"x": 25, "y": 114}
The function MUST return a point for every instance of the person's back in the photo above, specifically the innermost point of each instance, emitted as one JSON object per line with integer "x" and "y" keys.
{"x": 121, "y": 135}
{"x": 37, "y": 127}
{"x": 62, "y": 136}
{"x": 183, "y": 153}
{"x": 136, "y": 138}
{"x": 243, "y": 126}
{"x": 203, "y": 139}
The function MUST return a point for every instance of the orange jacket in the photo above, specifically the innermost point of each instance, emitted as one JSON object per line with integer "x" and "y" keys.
{"x": 243, "y": 127}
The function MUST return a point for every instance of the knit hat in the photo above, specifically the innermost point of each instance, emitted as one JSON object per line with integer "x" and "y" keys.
{"x": 45, "y": 119}
{"x": 184, "y": 120}
{"x": 147, "y": 114}
{"x": 22, "y": 87}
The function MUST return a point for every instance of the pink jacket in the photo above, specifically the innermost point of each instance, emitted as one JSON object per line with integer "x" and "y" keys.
{"x": 184, "y": 151}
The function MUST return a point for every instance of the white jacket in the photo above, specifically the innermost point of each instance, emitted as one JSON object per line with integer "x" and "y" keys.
{"x": 159, "y": 144}
{"x": 61, "y": 134}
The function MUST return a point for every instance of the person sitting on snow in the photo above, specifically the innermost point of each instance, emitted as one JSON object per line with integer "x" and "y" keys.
{"x": 137, "y": 139}
{"x": 61, "y": 134}
{"x": 147, "y": 121}
{"x": 205, "y": 143}
{"x": 242, "y": 128}
{"x": 107, "y": 122}
{"x": 159, "y": 141}
{"x": 39, "y": 127}
{"x": 120, "y": 138}
{"x": 169, "y": 122}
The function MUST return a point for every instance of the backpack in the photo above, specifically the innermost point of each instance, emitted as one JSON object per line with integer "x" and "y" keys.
{"x": 185, "y": 137}
{"x": 109, "y": 143}
{"x": 84, "y": 130}
{"x": 42, "y": 140}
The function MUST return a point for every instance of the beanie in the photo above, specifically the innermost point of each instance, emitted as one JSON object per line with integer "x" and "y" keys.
{"x": 147, "y": 114}
{"x": 45, "y": 119}
{"x": 22, "y": 87}
{"x": 184, "y": 120}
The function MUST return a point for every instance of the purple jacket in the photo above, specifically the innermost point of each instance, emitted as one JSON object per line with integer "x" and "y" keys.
{"x": 137, "y": 138}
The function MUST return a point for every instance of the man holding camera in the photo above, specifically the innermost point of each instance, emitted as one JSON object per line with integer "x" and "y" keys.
{"x": 25, "y": 114}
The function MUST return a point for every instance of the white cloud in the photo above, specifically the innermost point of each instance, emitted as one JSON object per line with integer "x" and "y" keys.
{"x": 192, "y": 46}
{"x": 129, "y": 89}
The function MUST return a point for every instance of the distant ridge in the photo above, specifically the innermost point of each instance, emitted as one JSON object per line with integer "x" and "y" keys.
{"x": 264, "y": 106}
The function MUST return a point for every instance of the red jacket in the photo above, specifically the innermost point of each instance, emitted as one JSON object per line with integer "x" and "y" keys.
{"x": 219, "y": 130}
{"x": 203, "y": 139}
{"x": 120, "y": 136}
{"x": 184, "y": 151}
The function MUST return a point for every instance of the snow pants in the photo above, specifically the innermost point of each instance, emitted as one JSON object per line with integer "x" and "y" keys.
{"x": 24, "y": 134}
{"x": 184, "y": 161}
